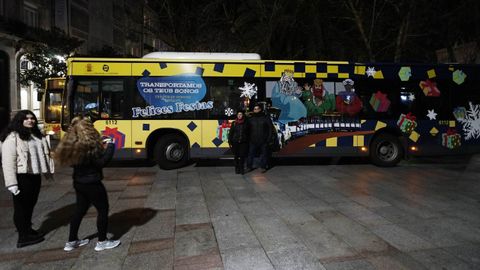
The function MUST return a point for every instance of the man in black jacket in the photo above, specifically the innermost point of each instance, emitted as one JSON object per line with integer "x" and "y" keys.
{"x": 260, "y": 132}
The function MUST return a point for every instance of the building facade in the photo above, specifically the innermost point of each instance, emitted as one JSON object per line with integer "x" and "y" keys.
{"x": 123, "y": 28}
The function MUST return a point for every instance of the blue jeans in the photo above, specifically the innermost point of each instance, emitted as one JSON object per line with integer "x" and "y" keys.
{"x": 252, "y": 152}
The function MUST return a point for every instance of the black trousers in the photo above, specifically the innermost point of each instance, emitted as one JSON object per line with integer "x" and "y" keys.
{"x": 240, "y": 151}
{"x": 88, "y": 194}
{"x": 23, "y": 203}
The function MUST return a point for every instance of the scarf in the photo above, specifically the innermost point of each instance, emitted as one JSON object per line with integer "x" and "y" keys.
{"x": 37, "y": 154}
{"x": 240, "y": 121}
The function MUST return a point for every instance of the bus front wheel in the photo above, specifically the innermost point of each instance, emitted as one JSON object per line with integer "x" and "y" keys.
{"x": 386, "y": 150}
{"x": 171, "y": 152}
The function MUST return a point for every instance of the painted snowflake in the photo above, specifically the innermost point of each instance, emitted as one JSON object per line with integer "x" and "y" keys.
{"x": 228, "y": 112}
{"x": 248, "y": 90}
{"x": 471, "y": 122}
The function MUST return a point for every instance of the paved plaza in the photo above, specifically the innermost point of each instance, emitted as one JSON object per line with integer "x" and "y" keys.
{"x": 357, "y": 216}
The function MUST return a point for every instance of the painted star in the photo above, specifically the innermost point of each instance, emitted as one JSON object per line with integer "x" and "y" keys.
{"x": 432, "y": 115}
{"x": 371, "y": 72}
{"x": 411, "y": 97}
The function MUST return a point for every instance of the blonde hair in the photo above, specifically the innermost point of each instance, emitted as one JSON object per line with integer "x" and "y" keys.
{"x": 81, "y": 141}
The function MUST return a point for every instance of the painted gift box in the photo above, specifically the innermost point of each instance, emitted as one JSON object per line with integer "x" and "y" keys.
{"x": 429, "y": 88}
{"x": 223, "y": 129}
{"x": 379, "y": 102}
{"x": 451, "y": 139}
{"x": 407, "y": 123}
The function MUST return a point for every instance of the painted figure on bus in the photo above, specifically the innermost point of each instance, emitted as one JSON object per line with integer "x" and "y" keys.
{"x": 347, "y": 102}
{"x": 284, "y": 98}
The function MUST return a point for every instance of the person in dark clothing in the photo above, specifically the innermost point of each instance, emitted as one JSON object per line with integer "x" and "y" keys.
{"x": 83, "y": 148}
{"x": 238, "y": 141}
{"x": 260, "y": 132}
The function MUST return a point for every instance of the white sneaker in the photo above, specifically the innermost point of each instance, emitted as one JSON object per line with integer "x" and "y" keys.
{"x": 107, "y": 244}
{"x": 69, "y": 246}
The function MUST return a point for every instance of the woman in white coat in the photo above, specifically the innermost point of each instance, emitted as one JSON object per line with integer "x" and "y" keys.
{"x": 25, "y": 156}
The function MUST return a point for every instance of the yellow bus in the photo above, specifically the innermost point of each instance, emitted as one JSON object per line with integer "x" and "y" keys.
{"x": 51, "y": 106}
{"x": 171, "y": 107}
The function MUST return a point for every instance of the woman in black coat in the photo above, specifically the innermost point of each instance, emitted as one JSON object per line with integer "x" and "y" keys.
{"x": 238, "y": 141}
{"x": 82, "y": 147}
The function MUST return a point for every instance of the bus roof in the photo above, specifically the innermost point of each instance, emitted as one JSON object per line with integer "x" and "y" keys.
{"x": 203, "y": 55}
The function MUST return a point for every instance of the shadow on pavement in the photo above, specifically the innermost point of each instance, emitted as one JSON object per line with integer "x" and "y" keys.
{"x": 57, "y": 218}
{"x": 122, "y": 222}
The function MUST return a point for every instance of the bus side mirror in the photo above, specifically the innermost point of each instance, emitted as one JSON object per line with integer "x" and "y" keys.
{"x": 40, "y": 95}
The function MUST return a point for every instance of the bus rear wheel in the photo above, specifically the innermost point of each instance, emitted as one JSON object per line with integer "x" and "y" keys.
{"x": 386, "y": 150}
{"x": 171, "y": 152}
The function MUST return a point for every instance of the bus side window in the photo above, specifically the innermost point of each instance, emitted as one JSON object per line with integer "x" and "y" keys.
{"x": 112, "y": 99}
{"x": 85, "y": 100}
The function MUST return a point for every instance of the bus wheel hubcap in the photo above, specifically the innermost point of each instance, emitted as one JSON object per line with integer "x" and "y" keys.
{"x": 387, "y": 151}
{"x": 174, "y": 152}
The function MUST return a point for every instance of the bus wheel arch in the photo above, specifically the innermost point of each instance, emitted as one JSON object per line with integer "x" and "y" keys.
{"x": 387, "y": 148}
{"x": 169, "y": 148}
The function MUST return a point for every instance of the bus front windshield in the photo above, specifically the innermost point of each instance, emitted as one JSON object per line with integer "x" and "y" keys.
{"x": 53, "y": 106}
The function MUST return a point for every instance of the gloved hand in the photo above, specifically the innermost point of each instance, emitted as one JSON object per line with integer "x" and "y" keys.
{"x": 14, "y": 190}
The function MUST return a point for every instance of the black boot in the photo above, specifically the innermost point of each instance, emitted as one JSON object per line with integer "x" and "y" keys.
{"x": 29, "y": 239}
{"x": 237, "y": 167}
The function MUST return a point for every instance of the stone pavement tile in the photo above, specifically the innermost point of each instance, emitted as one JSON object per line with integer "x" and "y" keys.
{"x": 142, "y": 180}
{"x": 6, "y": 221}
{"x": 137, "y": 191}
{"x": 396, "y": 215}
{"x": 206, "y": 261}
{"x": 273, "y": 233}
{"x": 321, "y": 242}
{"x": 244, "y": 195}
{"x": 314, "y": 205}
{"x": 401, "y": 238}
{"x": 256, "y": 209}
{"x": 11, "y": 265}
{"x": 430, "y": 231}
{"x": 51, "y": 265}
{"x": 369, "y": 201}
{"x": 48, "y": 255}
{"x": 438, "y": 259}
{"x": 260, "y": 183}
{"x": 160, "y": 225}
{"x": 15, "y": 254}
{"x": 125, "y": 204}
{"x": 191, "y": 209}
{"x": 355, "y": 235}
{"x": 460, "y": 228}
{"x": 158, "y": 260}
{"x": 469, "y": 253}
{"x": 470, "y": 215}
{"x": 195, "y": 244}
{"x": 118, "y": 173}
{"x": 294, "y": 258}
{"x": 114, "y": 186}
{"x": 161, "y": 198}
{"x": 361, "y": 214}
{"x": 222, "y": 207}
{"x": 165, "y": 183}
{"x": 286, "y": 208}
{"x": 395, "y": 260}
{"x": 246, "y": 259}
{"x": 148, "y": 246}
{"x": 6, "y": 233}
{"x": 234, "y": 232}
{"x": 359, "y": 264}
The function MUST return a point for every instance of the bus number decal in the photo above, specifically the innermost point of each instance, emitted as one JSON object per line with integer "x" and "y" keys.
{"x": 111, "y": 122}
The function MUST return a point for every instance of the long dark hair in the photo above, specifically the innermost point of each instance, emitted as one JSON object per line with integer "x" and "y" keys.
{"x": 16, "y": 125}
